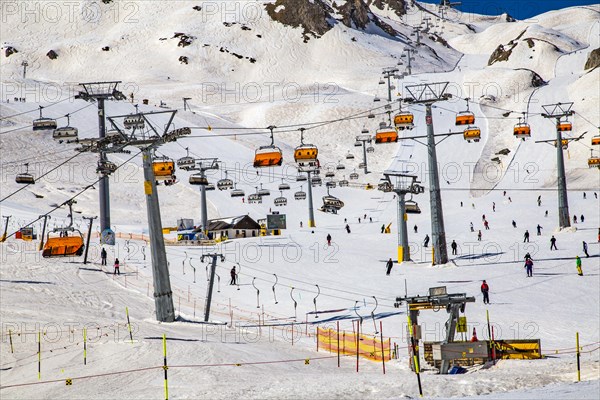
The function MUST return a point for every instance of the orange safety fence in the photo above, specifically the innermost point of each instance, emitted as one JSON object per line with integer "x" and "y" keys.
{"x": 369, "y": 347}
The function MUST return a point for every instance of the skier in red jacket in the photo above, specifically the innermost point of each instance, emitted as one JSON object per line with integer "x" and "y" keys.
{"x": 485, "y": 291}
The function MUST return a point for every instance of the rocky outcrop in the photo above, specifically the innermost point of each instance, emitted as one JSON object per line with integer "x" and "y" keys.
{"x": 593, "y": 60}
{"x": 9, "y": 51}
{"x": 357, "y": 14}
{"x": 316, "y": 17}
{"x": 184, "y": 40}
{"x": 52, "y": 55}
{"x": 503, "y": 53}
{"x": 313, "y": 16}
{"x": 399, "y": 6}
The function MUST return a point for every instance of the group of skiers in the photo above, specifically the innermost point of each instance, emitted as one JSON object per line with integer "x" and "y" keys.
{"x": 116, "y": 265}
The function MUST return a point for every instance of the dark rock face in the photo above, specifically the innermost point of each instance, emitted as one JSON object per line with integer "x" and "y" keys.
{"x": 503, "y": 53}
{"x": 593, "y": 60}
{"x": 399, "y": 6}
{"x": 184, "y": 40}
{"x": 10, "y": 51}
{"x": 536, "y": 80}
{"x": 106, "y": 48}
{"x": 312, "y": 16}
{"x": 316, "y": 16}
{"x": 52, "y": 55}
{"x": 183, "y": 60}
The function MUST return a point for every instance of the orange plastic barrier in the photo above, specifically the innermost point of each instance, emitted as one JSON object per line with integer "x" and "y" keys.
{"x": 369, "y": 347}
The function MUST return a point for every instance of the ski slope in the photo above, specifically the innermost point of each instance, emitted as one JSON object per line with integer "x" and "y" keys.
{"x": 60, "y": 297}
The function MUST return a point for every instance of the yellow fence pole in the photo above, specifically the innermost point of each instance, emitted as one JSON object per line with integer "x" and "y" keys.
{"x": 578, "y": 357}
{"x": 129, "y": 324}
{"x": 165, "y": 367}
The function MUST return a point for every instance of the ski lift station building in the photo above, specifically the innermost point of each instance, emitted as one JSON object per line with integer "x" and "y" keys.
{"x": 230, "y": 227}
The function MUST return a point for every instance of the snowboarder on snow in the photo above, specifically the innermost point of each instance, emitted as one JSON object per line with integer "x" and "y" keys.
{"x": 553, "y": 243}
{"x": 426, "y": 242}
{"x": 389, "y": 266}
{"x": 233, "y": 276}
{"x": 117, "y": 271}
{"x": 103, "y": 256}
{"x": 454, "y": 247}
{"x": 526, "y": 236}
{"x": 585, "y": 248}
{"x": 578, "y": 264}
{"x": 485, "y": 291}
{"x": 329, "y": 238}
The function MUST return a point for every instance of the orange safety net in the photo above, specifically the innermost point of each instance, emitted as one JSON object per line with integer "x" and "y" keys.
{"x": 369, "y": 347}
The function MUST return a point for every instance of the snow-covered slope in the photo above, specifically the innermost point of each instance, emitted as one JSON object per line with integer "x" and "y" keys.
{"x": 290, "y": 78}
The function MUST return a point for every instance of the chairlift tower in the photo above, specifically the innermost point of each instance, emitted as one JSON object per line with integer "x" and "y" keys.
{"x": 558, "y": 111}
{"x": 185, "y": 103}
{"x": 428, "y": 94}
{"x": 202, "y": 165}
{"x": 364, "y": 139}
{"x": 410, "y": 53}
{"x": 403, "y": 185}
{"x": 148, "y": 139}
{"x": 209, "y": 290}
{"x": 25, "y": 64}
{"x": 100, "y": 92}
{"x": 309, "y": 170}
{"x": 389, "y": 73}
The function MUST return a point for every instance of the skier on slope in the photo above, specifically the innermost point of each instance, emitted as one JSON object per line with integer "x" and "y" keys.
{"x": 389, "y": 266}
{"x": 529, "y": 267}
{"x": 329, "y": 239}
{"x": 233, "y": 276}
{"x": 585, "y": 248}
{"x": 426, "y": 241}
{"x": 553, "y": 243}
{"x": 526, "y": 236}
{"x": 103, "y": 256}
{"x": 485, "y": 289}
{"x": 347, "y": 228}
{"x": 454, "y": 247}
{"x": 539, "y": 230}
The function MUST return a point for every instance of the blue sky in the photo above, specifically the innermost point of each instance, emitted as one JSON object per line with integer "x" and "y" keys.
{"x": 520, "y": 9}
